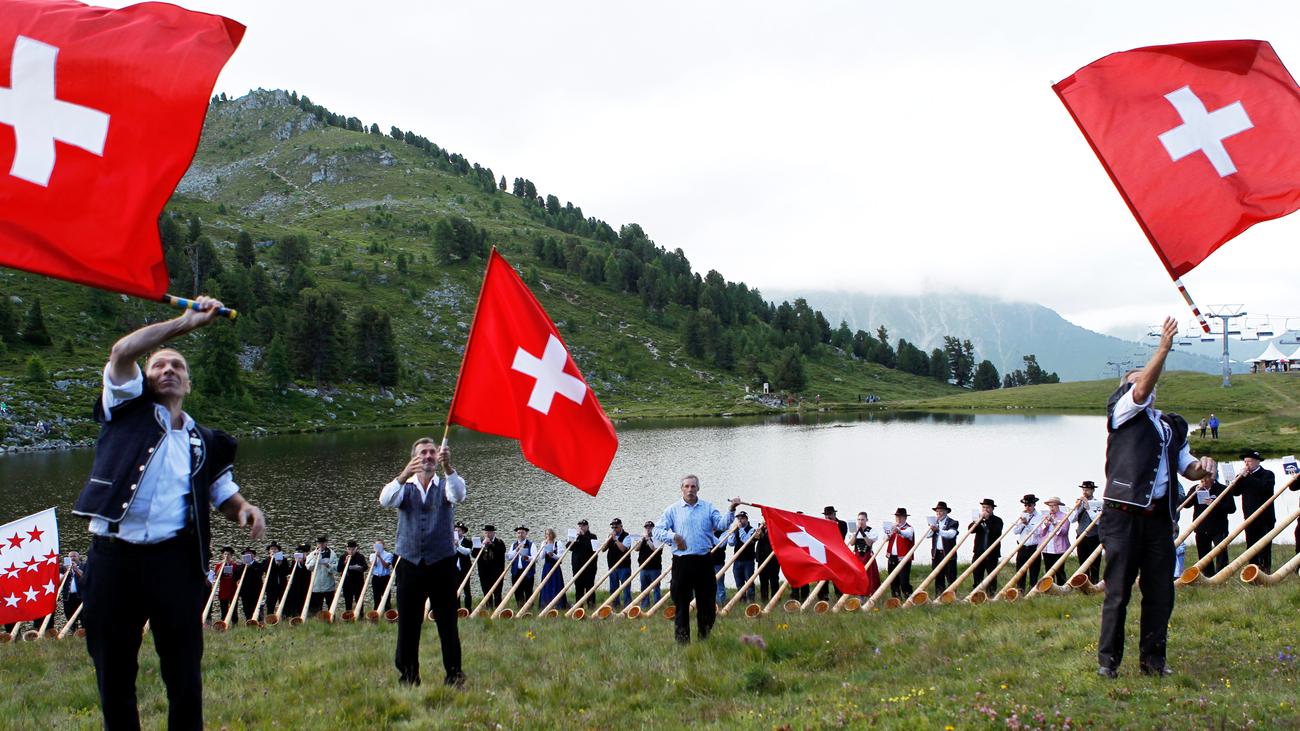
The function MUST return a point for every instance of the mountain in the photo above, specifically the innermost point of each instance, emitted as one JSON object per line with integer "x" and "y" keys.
{"x": 1001, "y": 331}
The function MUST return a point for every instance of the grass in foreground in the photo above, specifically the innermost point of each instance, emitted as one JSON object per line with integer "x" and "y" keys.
{"x": 1023, "y": 665}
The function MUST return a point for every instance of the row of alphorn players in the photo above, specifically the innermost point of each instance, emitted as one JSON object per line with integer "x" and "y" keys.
{"x": 307, "y": 586}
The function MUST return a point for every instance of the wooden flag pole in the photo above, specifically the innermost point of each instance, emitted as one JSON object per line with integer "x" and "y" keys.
{"x": 181, "y": 303}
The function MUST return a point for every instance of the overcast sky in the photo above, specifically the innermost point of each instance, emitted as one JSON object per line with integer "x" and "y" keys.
{"x": 900, "y": 147}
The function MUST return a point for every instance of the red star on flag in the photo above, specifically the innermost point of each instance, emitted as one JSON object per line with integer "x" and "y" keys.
{"x": 35, "y": 533}
{"x": 16, "y": 542}
{"x": 29, "y": 586}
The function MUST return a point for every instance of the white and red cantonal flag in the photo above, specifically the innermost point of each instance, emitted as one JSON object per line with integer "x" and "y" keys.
{"x": 29, "y": 567}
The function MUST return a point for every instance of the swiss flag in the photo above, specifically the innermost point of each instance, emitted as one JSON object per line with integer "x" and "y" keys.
{"x": 1200, "y": 138}
{"x": 100, "y": 114}
{"x": 29, "y": 568}
{"x": 518, "y": 381}
{"x": 811, "y": 549}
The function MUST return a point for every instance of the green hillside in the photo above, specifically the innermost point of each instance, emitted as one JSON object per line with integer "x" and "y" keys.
{"x": 336, "y": 218}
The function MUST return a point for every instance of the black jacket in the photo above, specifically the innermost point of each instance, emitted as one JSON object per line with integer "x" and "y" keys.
{"x": 987, "y": 532}
{"x": 1217, "y": 523}
{"x": 1133, "y": 455}
{"x": 1255, "y": 489}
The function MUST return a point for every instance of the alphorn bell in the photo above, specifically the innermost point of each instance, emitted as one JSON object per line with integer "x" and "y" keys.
{"x": 12, "y": 635}
{"x": 212, "y": 595}
{"x": 1249, "y": 553}
{"x": 223, "y": 624}
{"x": 1227, "y": 493}
{"x": 775, "y": 601}
{"x": 549, "y": 610}
{"x": 577, "y": 611}
{"x": 633, "y": 609}
{"x": 1194, "y": 574}
{"x": 1047, "y": 584}
{"x": 1079, "y": 581}
{"x": 391, "y": 614}
{"x": 559, "y": 563}
{"x": 274, "y": 618}
{"x": 950, "y": 594}
{"x": 501, "y": 610}
{"x": 751, "y": 610}
{"x": 257, "y": 606}
{"x": 978, "y": 595}
{"x": 606, "y": 607}
{"x": 461, "y": 612}
{"x": 45, "y": 623}
{"x": 1253, "y": 574}
{"x": 329, "y": 614}
{"x": 671, "y": 611}
{"x": 1012, "y": 593}
{"x": 893, "y": 602}
{"x": 920, "y": 596}
{"x": 721, "y": 573}
{"x": 350, "y": 615}
{"x": 306, "y": 600}
{"x": 70, "y": 621}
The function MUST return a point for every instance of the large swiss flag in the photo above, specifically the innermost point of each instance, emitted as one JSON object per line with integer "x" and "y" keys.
{"x": 518, "y": 381}
{"x": 100, "y": 114}
{"x": 811, "y": 549}
{"x": 1200, "y": 138}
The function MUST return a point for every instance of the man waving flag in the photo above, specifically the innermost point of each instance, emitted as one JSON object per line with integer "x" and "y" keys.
{"x": 100, "y": 114}
{"x": 810, "y": 549}
{"x": 518, "y": 381}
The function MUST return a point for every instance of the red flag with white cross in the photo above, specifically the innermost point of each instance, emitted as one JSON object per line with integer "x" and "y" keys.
{"x": 811, "y": 549}
{"x": 518, "y": 380}
{"x": 29, "y": 567}
{"x": 1199, "y": 138}
{"x": 100, "y": 114}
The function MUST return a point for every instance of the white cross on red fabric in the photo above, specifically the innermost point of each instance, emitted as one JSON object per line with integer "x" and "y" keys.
{"x": 1204, "y": 131}
{"x": 550, "y": 375}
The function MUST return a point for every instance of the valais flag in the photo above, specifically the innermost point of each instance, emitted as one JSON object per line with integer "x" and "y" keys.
{"x": 29, "y": 568}
{"x": 811, "y": 549}
{"x": 1202, "y": 139}
{"x": 100, "y": 114}
{"x": 518, "y": 381}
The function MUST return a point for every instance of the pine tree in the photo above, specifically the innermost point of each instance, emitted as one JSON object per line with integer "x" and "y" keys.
{"x": 245, "y": 254}
{"x": 316, "y": 336}
{"x": 789, "y": 371}
{"x": 8, "y": 320}
{"x": 374, "y": 352}
{"x": 36, "y": 372}
{"x": 277, "y": 364}
{"x": 986, "y": 376}
{"x": 216, "y": 371}
{"x": 34, "y": 331}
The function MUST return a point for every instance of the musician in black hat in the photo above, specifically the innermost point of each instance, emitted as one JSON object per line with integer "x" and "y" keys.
{"x": 830, "y": 514}
{"x": 491, "y": 564}
{"x": 1027, "y": 524}
{"x": 464, "y": 559}
{"x": 299, "y": 583}
{"x": 325, "y": 577}
{"x": 620, "y": 542}
{"x": 1255, "y": 486}
{"x": 278, "y": 568}
{"x": 581, "y": 549}
{"x": 900, "y": 537}
{"x": 1145, "y": 451}
{"x": 251, "y": 589}
{"x": 988, "y": 532}
{"x": 942, "y": 542}
{"x": 352, "y": 572}
{"x": 1213, "y": 528}
{"x": 520, "y": 557}
{"x": 1083, "y": 516}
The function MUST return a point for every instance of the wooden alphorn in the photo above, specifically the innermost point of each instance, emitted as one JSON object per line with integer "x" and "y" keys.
{"x": 1012, "y": 593}
{"x": 223, "y": 624}
{"x": 306, "y": 600}
{"x": 1227, "y": 493}
{"x": 577, "y": 611}
{"x": 1048, "y": 584}
{"x": 1252, "y": 574}
{"x": 559, "y": 563}
{"x": 274, "y": 618}
{"x": 329, "y": 614}
{"x": 978, "y": 595}
{"x": 751, "y": 610}
{"x": 461, "y": 612}
{"x": 633, "y": 610}
{"x": 720, "y": 574}
{"x": 606, "y": 607}
{"x": 1193, "y": 574}
{"x": 1249, "y": 553}
{"x": 921, "y": 596}
{"x": 893, "y": 602}
{"x": 257, "y": 606}
{"x": 549, "y": 609}
{"x": 501, "y": 610}
{"x": 670, "y": 613}
{"x": 821, "y": 606}
{"x": 67, "y": 626}
{"x": 950, "y": 594}
{"x": 350, "y": 615}
{"x": 12, "y": 635}
{"x": 212, "y": 595}
{"x": 391, "y": 614}
{"x": 1079, "y": 581}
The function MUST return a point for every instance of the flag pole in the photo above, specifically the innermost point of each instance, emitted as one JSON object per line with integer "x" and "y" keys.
{"x": 446, "y": 427}
{"x": 181, "y": 303}
{"x": 1205, "y": 326}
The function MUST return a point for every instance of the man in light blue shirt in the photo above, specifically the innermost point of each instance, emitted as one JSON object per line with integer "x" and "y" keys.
{"x": 688, "y": 525}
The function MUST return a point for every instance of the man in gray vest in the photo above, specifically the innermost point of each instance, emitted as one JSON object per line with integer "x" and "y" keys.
{"x": 1144, "y": 450}
{"x": 425, "y": 506}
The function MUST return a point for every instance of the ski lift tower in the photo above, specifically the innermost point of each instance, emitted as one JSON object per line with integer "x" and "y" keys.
{"x": 1225, "y": 315}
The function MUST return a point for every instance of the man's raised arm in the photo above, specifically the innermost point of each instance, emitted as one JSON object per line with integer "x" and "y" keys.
{"x": 127, "y": 350}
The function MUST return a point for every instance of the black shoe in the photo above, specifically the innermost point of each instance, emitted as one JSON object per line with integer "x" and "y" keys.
{"x": 455, "y": 680}
{"x": 683, "y": 638}
{"x": 1108, "y": 673}
{"x": 1156, "y": 671}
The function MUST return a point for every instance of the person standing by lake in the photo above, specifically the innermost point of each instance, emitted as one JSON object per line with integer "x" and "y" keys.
{"x": 689, "y": 525}
{"x": 1214, "y": 426}
{"x": 426, "y": 510}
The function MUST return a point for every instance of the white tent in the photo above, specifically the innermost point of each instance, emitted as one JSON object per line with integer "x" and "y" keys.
{"x": 1295, "y": 356}
{"x": 1271, "y": 355}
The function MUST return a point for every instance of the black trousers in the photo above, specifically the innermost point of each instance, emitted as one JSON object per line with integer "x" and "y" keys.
{"x": 467, "y": 596}
{"x": 769, "y": 580}
{"x": 352, "y": 592}
{"x": 1255, "y": 532}
{"x": 525, "y": 583}
{"x": 1085, "y": 549}
{"x": 248, "y": 603}
{"x": 223, "y": 607}
{"x": 377, "y": 586}
{"x": 1049, "y": 560}
{"x": 985, "y": 567}
{"x": 1138, "y": 546}
{"x": 319, "y": 602}
{"x": 693, "y": 579}
{"x": 485, "y": 579}
{"x": 944, "y": 578}
{"x": 902, "y": 586}
{"x": 582, "y": 585}
{"x": 1206, "y": 543}
{"x": 70, "y": 604}
{"x": 122, "y": 589}
{"x": 1022, "y": 557}
{"x": 435, "y": 583}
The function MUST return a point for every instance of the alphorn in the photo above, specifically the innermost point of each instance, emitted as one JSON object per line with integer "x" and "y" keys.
{"x": 577, "y": 611}
{"x": 775, "y": 601}
{"x": 606, "y": 608}
{"x": 1079, "y": 581}
{"x": 350, "y": 615}
{"x": 257, "y": 606}
{"x": 1047, "y": 584}
{"x": 487, "y": 595}
{"x": 978, "y": 595}
{"x": 559, "y": 564}
{"x": 950, "y": 594}
{"x": 721, "y": 573}
{"x": 13, "y": 635}
{"x": 461, "y": 612}
{"x": 751, "y": 610}
{"x": 1194, "y": 573}
{"x": 1253, "y": 574}
{"x": 633, "y": 609}
{"x": 921, "y": 596}
{"x": 67, "y": 626}
{"x": 223, "y": 624}
{"x": 274, "y": 618}
{"x": 306, "y": 600}
{"x": 212, "y": 595}
{"x": 549, "y": 609}
{"x": 870, "y": 603}
{"x": 501, "y": 610}
{"x": 671, "y": 613}
{"x": 1227, "y": 492}
{"x": 329, "y": 614}
{"x": 1249, "y": 553}
{"x": 391, "y": 614}
{"x": 45, "y": 623}
{"x": 1011, "y": 593}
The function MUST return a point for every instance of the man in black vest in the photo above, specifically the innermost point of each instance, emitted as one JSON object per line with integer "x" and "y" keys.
{"x": 1255, "y": 486}
{"x": 1145, "y": 450}
{"x": 581, "y": 549}
{"x": 464, "y": 558}
{"x": 279, "y": 569}
{"x": 352, "y": 569}
{"x": 988, "y": 532}
{"x": 251, "y": 589}
{"x": 1089, "y": 510}
{"x": 942, "y": 542}
{"x": 521, "y": 557}
{"x": 491, "y": 564}
{"x": 1214, "y": 528}
{"x": 154, "y": 476}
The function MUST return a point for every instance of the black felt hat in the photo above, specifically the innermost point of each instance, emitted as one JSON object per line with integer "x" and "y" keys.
{"x": 352, "y": 543}
{"x": 490, "y": 527}
{"x": 1251, "y": 454}
{"x": 1088, "y": 484}
{"x": 941, "y": 505}
{"x": 1030, "y": 499}
{"x": 322, "y": 539}
{"x": 461, "y": 525}
{"x": 901, "y": 511}
{"x": 228, "y": 549}
{"x": 989, "y": 502}
{"x": 274, "y": 545}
